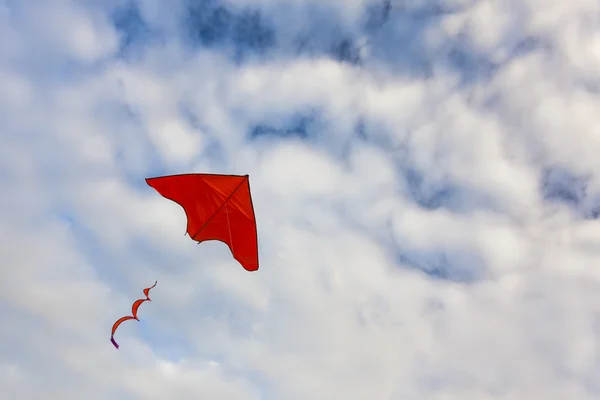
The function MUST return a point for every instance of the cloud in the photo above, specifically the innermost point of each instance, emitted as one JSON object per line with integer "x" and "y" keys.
{"x": 424, "y": 175}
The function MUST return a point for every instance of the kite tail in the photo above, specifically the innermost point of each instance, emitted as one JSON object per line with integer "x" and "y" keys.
{"x": 134, "y": 309}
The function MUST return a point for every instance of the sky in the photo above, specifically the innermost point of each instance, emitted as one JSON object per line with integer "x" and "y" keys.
{"x": 425, "y": 176}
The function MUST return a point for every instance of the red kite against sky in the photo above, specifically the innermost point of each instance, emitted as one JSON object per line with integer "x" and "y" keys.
{"x": 218, "y": 207}
{"x": 133, "y": 315}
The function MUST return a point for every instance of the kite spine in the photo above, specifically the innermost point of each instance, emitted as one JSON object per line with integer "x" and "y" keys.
{"x": 220, "y": 207}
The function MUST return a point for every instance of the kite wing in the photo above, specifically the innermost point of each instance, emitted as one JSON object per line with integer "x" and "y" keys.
{"x": 218, "y": 207}
{"x": 134, "y": 309}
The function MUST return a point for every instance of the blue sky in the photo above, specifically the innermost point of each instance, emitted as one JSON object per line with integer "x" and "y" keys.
{"x": 424, "y": 176}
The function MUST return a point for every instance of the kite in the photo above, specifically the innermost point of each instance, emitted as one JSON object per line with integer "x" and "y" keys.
{"x": 134, "y": 309}
{"x": 217, "y": 207}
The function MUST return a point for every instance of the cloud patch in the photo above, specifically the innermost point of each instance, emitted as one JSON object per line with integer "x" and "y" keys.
{"x": 424, "y": 176}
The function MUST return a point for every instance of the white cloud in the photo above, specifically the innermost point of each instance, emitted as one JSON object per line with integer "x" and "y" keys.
{"x": 67, "y": 29}
{"x": 418, "y": 256}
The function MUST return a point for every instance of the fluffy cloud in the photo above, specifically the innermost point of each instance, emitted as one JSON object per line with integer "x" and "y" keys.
{"x": 424, "y": 174}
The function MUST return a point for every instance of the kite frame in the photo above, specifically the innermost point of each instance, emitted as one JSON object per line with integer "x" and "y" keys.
{"x": 246, "y": 179}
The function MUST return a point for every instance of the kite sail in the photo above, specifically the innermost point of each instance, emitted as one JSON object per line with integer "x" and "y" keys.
{"x": 218, "y": 207}
{"x": 134, "y": 309}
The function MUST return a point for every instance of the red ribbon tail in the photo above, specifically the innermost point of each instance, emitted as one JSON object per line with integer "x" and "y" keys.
{"x": 114, "y": 343}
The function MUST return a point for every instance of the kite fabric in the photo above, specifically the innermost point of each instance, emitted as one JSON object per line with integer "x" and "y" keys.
{"x": 134, "y": 309}
{"x": 218, "y": 207}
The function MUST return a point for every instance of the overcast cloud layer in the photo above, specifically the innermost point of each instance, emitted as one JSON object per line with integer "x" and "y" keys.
{"x": 425, "y": 175}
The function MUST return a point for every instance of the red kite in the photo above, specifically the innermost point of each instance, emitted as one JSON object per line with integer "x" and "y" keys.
{"x": 218, "y": 207}
{"x": 133, "y": 315}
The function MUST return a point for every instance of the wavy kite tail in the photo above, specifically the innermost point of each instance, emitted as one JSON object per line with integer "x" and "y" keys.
{"x": 134, "y": 309}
